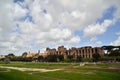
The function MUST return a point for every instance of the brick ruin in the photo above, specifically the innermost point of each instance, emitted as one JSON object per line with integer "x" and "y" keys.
{"x": 84, "y": 52}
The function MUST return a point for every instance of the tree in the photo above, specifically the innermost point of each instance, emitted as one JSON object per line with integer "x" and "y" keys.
{"x": 78, "y": 59}
{"x": 40, "y": 58}
{"x": 110, "y": 48}
{"x": 96, "y": 57}
{"x": 70, "y": 58}
{"x": 60, "y": 58}
{"x": 24, "y": 54}
{"x": 11, "y": 55}
{"x": 51, "y": 58}
{"x": 115, "y": 53}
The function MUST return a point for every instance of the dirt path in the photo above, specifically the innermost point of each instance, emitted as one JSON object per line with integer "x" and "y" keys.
{"x": 30, "y": 69}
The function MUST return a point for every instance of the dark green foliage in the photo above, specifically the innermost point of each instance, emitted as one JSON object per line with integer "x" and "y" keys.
{"x": 10, "y": 56}
{"x": 78, "y": 59}
{"x": 60, "y": 58}
{"x": 110, "y": 48}
{"x": 54, "y": 58}
{"x": 115, "y": 53}
{"x": 40, "y": 58}
{"x": 96, "y": 57}
{"x": 51, "y": 58}
{"x": 20, "y": 58}
{"x": 70, "y": 58}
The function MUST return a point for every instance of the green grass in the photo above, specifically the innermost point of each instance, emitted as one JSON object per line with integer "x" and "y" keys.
{"x": 36, "y": 65}
{"x": 70, "y": 71}
{"x": 17, "y": 75}
{"x": 82, "y": 76}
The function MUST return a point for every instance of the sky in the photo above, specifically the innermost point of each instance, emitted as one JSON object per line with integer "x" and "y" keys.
{"x": 32, "y": 25}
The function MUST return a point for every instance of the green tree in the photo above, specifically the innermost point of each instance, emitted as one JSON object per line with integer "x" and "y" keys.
{"x": 60, "y": 58}
{"x": 70, "y": 58}
{"x": 51, "y": 58}
{"x": 96, "y": 57}
{"x": 115, "y": 53}
{"x": 40, "y": 58}
{"x": 24, "y": 54}
{"x": 78, "y": 59}
{"x": 110, "y": 48}
{"x": 11, "y": 55}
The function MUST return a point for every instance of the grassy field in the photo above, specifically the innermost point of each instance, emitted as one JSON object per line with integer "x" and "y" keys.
{"x": 69, "y": 71}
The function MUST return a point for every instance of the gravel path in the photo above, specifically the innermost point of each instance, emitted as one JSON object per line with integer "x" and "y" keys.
{"x": 30, "y": 69}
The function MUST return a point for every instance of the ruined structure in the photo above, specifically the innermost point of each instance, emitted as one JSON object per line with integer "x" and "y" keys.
{"x": 29, "y": 54}
{"x": 84, "y": 52}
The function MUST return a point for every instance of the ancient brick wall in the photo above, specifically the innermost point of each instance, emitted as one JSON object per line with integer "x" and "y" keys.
{"x": 84, "y": 52}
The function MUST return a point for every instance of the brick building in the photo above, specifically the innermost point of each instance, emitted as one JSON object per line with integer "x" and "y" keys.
{"x": 84, "y": 52}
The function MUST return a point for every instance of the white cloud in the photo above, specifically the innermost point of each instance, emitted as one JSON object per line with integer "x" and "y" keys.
{"x": 6, "y": 18}
{"x": 51, "y": 22}
{"x": 74, "y": 40}
{"x": 96, "y": 29}
{"x": 93, "y": 39}
{"x": 78, "y": 14}
{"x": 19, "y": 11}
{"x": 116, "y": 42}
{"x": 94, "y": 42}
{"x": 60, "y": 33}
{"x": 98, "y": 43}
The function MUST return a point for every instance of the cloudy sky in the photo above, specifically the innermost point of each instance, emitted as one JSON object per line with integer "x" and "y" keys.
{"x": 31, "y": 25}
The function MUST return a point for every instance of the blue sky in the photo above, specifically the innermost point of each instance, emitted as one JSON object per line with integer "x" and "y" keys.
{"x": 32, "y": 25}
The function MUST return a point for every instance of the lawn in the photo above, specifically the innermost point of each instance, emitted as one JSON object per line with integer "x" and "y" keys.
{"x": 70, "y": 71}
